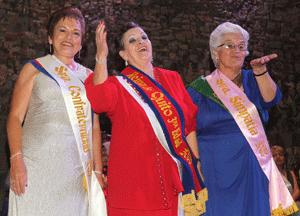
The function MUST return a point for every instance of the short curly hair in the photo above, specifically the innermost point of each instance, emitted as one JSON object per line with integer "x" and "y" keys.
{"x": 216, "y": 37}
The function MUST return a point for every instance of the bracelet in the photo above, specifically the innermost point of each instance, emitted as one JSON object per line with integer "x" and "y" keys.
{"x": 198, "y": 160}
{"x": 97, "y": 171}
{"x": 15, "y": 155}
{"x": 261, "y": 73}
{"x": 99, "y": 62}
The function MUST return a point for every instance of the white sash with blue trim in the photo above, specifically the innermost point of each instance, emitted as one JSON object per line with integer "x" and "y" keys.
{"x": 80, "y": 115}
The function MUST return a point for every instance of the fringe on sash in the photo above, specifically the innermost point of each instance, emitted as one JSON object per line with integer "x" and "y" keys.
{"x": 193, "y": 207}
{"x": 280, "y": 212}
{"x": 85, "y": 183}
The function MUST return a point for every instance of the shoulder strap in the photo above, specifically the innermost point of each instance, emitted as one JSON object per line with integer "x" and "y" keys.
{"x": 38, "y": 66}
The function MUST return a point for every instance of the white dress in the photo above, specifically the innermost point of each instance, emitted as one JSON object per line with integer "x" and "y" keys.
{"x": 55, "y": 174}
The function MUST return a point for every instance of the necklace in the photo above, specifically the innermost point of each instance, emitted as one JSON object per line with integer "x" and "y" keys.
{"x": 238, "y": 80}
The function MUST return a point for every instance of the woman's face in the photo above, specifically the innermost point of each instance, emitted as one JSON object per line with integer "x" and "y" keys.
{"x": 66, "y": 39}
{"x": 231, "y": 58}
{"x": 137, "y": 47}
{"x": 278, "y": 156}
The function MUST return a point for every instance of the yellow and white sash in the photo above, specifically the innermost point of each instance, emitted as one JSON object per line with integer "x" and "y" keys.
{"x": 80, "y": 115}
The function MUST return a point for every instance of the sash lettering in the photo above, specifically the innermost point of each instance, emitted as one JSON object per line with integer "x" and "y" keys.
{"x": 234, "y": 100}
{"x": 167, "y": 121}
{"x": 79, "y": 111}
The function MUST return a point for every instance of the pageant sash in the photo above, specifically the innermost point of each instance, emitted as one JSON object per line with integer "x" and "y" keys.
{"x": 247, "y": 118}
{"x": 167, "y": 120}
{"x": 155, "y": 125}
{"x": 201, "y": 85}
{"x": 80, "y": 115}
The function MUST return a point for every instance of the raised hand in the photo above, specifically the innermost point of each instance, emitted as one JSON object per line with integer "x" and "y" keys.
{"x": 259, "y": 65}
{"x": 102, "y": 48}
{"x": 100, "y": 71}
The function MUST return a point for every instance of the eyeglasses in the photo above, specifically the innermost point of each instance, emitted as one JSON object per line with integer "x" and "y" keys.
{"x": 230, "y": 46}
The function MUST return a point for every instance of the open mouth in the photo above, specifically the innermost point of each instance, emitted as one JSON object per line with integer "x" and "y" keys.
{"x": 66, "y": 44}
{"x": 142, "y": 49}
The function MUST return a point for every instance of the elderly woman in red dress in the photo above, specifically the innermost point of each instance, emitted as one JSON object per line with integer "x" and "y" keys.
{"x": 153, "y": 119}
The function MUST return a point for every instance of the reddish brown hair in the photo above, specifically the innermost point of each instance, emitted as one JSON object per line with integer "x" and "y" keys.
{"x": 70, "y": 12}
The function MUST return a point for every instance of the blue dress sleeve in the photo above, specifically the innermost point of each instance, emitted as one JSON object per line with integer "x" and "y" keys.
{"x": 252, "y": 91}
{"x": 197, "y": 100}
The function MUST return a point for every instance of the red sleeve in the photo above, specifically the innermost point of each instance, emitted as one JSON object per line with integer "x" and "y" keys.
{"x": 173, "y": 84}
{"x": 192, "y": 110}
{"x": 102, "y": 97}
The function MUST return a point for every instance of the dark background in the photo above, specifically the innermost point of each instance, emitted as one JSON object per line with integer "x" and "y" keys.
{"x": 179, "y": 31}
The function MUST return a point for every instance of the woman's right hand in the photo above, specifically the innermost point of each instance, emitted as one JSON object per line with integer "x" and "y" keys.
{"x": 18, "y": 175}
{"x": 18, "y": 107}
{"x": 102, "y": 48}
{"x": 100, "y": 180}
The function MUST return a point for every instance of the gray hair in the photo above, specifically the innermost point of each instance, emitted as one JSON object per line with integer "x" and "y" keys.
{"x": 216, "y": 37}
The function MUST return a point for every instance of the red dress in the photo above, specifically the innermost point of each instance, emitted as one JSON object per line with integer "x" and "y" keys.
{"x": 142, "y": 178}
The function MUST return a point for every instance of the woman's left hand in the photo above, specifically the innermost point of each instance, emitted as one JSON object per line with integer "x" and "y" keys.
{"x": 200, "y": 172}
{"x": 102, "y": 48}
{"x": 259, "y": 65}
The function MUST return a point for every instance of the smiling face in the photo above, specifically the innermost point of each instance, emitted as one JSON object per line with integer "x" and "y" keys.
{"x": 66, "y": 38}
{"x": 137, "y": 47}
{"x": 231, "y": 58}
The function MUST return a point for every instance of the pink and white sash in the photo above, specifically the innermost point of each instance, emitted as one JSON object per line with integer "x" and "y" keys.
{"x": 247, "y": 118}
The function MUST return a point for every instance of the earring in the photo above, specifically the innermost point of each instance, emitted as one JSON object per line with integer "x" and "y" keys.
{"x": 50, "y": 49}
{"x": 151, "y": 60}
{"x": 126, "y": 63}
{"x": 79, "y": 54}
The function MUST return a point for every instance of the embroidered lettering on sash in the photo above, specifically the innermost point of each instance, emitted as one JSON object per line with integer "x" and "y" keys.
{"x": 62, "y": 74}
{"x": 223, "y": 86}
{"x": 174, "y": 121}
{"x": 215, "y": 95}
{"x": 247, "y": 118}
{"x": 262, "y": 148}
{"x": 171, "y": 120}
{"x": 158, "y": 98}
{"x": 79, "y": 113}
{"x": 187, "y": 155}
{"x": 176, "y": 136}
{"x": 168, "y": 112}
{"x": 138, "y": 80}
{"x": 81, "y": 116}
{"x": 88, "y": 165}
{"x": 238, "y": 104}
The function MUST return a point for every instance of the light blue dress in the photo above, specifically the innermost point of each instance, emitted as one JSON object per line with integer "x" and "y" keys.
{"x": 234, "y": 179}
